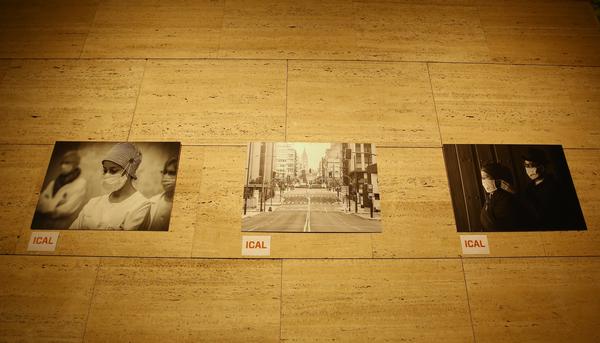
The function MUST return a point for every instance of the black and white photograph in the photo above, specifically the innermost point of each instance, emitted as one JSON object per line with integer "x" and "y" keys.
{"x": 511, "y": 188}
{"x": 108, "y": 186}
{"x": 311, "y": 187}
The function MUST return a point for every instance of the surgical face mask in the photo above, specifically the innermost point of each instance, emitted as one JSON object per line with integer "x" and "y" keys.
{"x": 532, "y": 172}
{"x": 489, "y": 185}
{"x": 168, "y": 182}
{"x": 114, "y": 182}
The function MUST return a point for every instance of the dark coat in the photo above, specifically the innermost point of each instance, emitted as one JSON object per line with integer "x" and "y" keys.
{"x": 544, "y": 203}
{"x": 501, "y": 212}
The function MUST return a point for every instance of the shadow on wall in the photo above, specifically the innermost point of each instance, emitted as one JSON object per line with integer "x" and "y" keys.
{"x": 464, "y": 164}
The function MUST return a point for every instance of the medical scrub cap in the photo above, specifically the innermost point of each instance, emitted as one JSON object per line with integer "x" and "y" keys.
{"x": 127, "y": 156}
{"x": 71, "y": 157}
{"x": 535, "y": 155}
{"x": 173, "y": 161}
{"x": 497, "y": 171}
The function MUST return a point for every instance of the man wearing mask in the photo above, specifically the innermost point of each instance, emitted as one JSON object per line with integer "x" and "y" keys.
{"x": 123, "y": 207}
{"x": 63, "y": 197}
{"x": 160, "y": 210}
{"x": 542, "y": 195}
{"x": 501, "y": 211}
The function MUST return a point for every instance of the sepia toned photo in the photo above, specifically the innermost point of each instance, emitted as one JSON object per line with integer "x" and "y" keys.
{"x": 108, "y": 186}
{"x": 511, "y": 188}
{"x": 311, "y": 187}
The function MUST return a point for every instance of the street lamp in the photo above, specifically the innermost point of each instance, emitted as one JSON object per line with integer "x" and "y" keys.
{"x": 349, "y": 180}
{"x": 371, "y": 200}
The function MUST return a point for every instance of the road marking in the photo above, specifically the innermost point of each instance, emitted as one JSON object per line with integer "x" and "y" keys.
{"x": 308, "y": 214}
{"x": 307, "y": 221}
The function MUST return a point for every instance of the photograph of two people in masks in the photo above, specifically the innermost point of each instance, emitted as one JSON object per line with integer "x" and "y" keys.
{"x": 108, "y": 186}
{"x": 511, "y": 188}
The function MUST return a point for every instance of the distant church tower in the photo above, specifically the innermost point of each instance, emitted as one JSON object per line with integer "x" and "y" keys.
{"x": 304, "y": 160}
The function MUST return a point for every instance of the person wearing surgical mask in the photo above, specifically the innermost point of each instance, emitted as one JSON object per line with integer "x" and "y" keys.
{"x": 543, "y": 195}
{"x": 501, "y": 210}
{"x": 160, "y": 211}
{"x": 123, "y": 207}
{"x": 63, "y": 197}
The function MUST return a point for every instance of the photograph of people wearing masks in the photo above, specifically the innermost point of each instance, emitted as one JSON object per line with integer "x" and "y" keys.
{"x": 109, "y": 186}
{"x": 511, "y": 188}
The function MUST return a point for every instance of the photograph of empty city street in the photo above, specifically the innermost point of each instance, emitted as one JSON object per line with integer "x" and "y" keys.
{"x": 311, "y": 187}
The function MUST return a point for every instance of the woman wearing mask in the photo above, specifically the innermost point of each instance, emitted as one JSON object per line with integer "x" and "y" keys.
{"x": 123, "y": 208}
{"x": 501, "y": 210}
{"x": 160, "y": 211}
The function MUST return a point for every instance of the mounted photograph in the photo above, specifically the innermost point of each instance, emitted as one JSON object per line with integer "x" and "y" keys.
{"x": 511, "y": 188}
{"x": 108, "y": 186}
{"x": 311, "y": 187}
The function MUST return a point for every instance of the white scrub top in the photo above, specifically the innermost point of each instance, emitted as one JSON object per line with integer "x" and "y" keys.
{"x": 99, "y": 213}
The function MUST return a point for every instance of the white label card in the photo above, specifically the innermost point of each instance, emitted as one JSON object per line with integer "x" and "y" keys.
{"x": 256, "y": 245}
{"x": 475, "y": 244}
{"x": 43, "y": 241}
